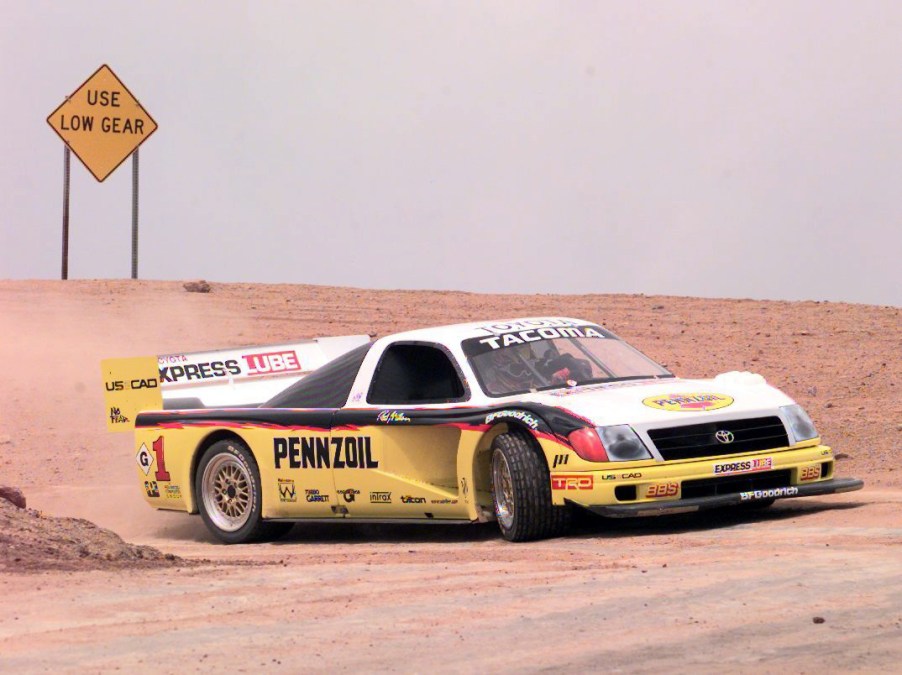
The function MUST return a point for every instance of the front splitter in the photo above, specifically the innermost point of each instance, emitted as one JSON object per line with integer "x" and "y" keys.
{"x": 701, "y": 503}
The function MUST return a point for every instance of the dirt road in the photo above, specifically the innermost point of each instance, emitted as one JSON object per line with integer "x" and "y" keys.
{"x": 810, "y": 585}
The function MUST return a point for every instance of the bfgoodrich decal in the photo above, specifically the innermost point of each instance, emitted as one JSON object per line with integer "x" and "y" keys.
{"x": 769, "y": 494}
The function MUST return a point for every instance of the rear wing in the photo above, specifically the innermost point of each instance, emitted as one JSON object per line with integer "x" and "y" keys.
{"x": 226, "y": 378}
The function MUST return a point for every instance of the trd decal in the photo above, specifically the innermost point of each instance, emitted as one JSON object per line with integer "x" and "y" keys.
{"x": 572, "y": 482}
{"x": 319, "y": 452}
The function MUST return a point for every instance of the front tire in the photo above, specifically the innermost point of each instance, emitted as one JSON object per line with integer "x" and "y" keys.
{"x": 521, "y": 491}
{"x": 227, "y": 485}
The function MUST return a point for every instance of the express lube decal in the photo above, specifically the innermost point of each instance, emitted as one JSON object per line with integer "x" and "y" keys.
{"x": 199, "y": 371}
{"x": 691, "y": 402}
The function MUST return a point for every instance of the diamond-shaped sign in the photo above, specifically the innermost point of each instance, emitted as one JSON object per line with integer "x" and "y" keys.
{"x": 102, "y": 123}
{"x": 145, "y": 459}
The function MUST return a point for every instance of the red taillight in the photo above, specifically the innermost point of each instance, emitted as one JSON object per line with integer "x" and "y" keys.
{"x": 588, "y": 445}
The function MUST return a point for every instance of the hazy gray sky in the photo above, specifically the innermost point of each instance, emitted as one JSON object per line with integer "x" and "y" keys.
{"x": 721, "y": 149}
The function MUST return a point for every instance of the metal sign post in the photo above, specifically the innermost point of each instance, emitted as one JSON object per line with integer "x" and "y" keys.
{"x": 66, "y": 163}
{"x": 135, "y": 214}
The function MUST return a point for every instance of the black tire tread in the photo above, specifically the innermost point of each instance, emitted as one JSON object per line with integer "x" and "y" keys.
{"x": 535, "y": 517}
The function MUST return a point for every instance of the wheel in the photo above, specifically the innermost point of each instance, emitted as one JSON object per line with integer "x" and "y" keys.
{"x": 521, "y": 490}
{"x": 227, "y": 485}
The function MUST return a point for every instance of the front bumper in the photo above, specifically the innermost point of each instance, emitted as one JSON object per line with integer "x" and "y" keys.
{"x": 660, "y": 508}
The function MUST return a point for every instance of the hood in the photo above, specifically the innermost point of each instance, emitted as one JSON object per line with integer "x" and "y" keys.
{"x": 667, "y": 401}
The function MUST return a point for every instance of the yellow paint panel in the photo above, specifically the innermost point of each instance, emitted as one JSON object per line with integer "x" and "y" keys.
{"x": 130, "y": 386}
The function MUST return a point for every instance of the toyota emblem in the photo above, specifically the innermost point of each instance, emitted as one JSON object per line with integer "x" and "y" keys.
{"x": 724, "y": 436}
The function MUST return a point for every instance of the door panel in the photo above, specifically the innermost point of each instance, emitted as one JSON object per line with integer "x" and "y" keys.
{"x": 413, "y": 472}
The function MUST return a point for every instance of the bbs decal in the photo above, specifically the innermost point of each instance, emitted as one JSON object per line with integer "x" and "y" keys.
{"x": 317, "y": 452}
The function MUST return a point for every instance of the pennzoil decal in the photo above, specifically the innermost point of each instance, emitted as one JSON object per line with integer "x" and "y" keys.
{"x": 693, "y": 402}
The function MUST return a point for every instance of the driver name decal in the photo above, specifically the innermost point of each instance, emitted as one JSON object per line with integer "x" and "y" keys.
{"x": 694, "y": 402}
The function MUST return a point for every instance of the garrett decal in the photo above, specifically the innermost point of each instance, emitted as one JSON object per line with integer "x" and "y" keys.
{"x": 392, "y": 416}
{"x": 287, "y": 491}
{"x": 688, "y": 402}
{"x": 572, "y": 482}
{"x": 319, "y": 452}
{"x": 407, "y": 499}
{"x": 145, "y": 459}
{"x": 380, "y": 497}
{"x": 150, "y": 487}
{"x": 769, "y": 494}
{"x": 745, "y": 466}
{"x": 524, "y": 417}
{"x": 315, "y": 496}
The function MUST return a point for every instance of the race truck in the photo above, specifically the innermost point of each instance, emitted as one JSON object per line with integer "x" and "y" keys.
{"x": 520, "y": 421}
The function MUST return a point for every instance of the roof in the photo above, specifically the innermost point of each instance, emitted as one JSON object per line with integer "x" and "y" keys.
{"x": 464, "y": 331}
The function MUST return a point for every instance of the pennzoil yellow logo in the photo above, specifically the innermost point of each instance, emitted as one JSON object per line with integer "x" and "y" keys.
{"x": 692, "y": 402}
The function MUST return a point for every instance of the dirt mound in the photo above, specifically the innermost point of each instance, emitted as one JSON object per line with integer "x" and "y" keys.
{"x": 31, "y": 541}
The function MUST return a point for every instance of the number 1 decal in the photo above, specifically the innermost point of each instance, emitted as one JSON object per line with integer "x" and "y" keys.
{"x": 162, "y": 474}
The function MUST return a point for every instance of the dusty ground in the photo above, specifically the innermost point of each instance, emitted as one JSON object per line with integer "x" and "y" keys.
{"x": 809, "y": 585}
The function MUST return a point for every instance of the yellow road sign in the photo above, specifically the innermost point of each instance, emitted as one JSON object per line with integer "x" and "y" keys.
{"x": 102, "y": 123}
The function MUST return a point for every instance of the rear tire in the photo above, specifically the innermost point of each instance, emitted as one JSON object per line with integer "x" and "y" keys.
{"x": 521, "y": 490}
{"x": 227, "y": 485}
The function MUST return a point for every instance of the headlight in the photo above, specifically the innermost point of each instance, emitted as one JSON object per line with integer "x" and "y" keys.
{"x": 800, "y": 425}
{"x": 622, "y": 443}
{"x": 608, "y": 444}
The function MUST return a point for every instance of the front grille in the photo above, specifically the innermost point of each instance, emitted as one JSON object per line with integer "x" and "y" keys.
{"x": 700, "y": 440}
{"x": 727, "y": 485}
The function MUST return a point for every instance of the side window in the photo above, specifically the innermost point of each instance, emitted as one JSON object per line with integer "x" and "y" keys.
{"x": 415, "y": 374}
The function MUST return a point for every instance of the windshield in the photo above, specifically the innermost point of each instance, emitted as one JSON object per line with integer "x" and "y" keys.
{"x": 550, "y": 358}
